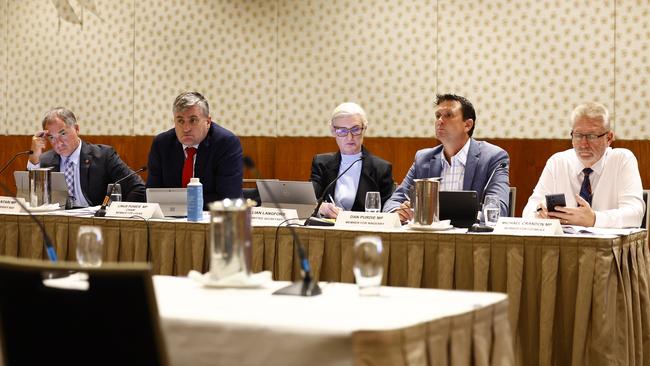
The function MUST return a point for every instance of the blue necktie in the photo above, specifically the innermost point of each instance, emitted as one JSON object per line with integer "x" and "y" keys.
{"x": 585, "y": 189}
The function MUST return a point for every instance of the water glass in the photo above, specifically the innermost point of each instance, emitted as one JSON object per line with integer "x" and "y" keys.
{"x": 373, "y": 202}
{"x": 368, "y": 269}
{"x": 491, "y": 210}
{"x": 115, "y": 194}
{"x": 90, "y": 246}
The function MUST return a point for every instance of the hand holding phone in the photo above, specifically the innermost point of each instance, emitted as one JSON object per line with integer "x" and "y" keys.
{"x": 554, "y": 200}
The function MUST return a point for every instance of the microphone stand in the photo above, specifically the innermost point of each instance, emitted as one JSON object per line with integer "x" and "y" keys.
{"x": 28, "y": 152}
{"x": 107, "y": 199}
{"x": 307, "y": 286}
{"x": 477, "y": 227}
{"x": 313, "y": 220}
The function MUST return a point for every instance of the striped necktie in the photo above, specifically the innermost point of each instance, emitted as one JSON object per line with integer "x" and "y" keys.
{"x": 68, "y": 173}
{"x": 585, "y": 189}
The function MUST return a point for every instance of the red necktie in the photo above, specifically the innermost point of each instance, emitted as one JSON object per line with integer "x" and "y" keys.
{"x": 188, "y": 167}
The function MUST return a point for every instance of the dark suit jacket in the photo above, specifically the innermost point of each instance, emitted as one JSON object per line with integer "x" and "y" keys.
{"x": 219, "y": 164}
{"x": 376, "y": 175}
{"x": 100, "y": 165}
{"x": 483, "y": 158}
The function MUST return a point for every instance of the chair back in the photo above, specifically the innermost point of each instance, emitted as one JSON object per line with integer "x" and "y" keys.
{"x": 113, "y": 321}
{"x": 513, "y": 201}
{"x": 646, "y": 220}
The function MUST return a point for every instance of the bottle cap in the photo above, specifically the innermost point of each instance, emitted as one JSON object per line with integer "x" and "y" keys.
{"x": 194, "y": 180}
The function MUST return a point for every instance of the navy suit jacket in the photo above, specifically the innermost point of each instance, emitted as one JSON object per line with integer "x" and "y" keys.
{"x": 100, "y": 165}
{"x": 219, "y": 164}
{"x": 483, "y": 158}
{"x": 376, "y": 175}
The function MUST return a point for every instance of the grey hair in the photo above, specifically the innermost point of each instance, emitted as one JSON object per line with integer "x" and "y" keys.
{"x": 62, "y": 113}
{"x": 591, "y": 110}
{"x": 349, "y": 109}
{"x": 187, "y": 100}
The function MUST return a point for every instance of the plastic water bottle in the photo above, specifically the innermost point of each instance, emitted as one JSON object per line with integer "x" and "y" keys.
{"x": 194, "y": 200}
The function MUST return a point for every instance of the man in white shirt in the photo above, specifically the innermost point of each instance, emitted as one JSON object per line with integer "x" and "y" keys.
{"x": 602, "y": 186}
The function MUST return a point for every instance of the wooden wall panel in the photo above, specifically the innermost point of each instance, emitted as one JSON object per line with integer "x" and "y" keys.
{"x": 289, "y": 158}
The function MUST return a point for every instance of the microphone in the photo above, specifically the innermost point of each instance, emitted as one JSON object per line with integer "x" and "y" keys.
{"x": 478, "y": 228}
{"x": 102, "y": 210}
{"x": 306, "y": 287}
{"x": 313, "y": 220}
{"x": 28, "y": 152}
{"x": 51, "y": 252}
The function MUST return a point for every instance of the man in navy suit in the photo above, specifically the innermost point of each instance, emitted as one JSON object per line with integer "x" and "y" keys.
{"x": 462, "y": 162}
{"x": 197, "y": 147}
{"x": 88, "y": 168}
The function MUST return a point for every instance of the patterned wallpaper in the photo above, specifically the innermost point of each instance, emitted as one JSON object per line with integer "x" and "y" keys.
{"x": 278, "y": 67}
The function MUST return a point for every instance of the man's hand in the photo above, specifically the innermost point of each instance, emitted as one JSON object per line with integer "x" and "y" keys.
{"x": 582, "y": 215}
{"x": 542, "y": 212}
{"x": 329, "y": 210}
{"x": 405, "y": 212}
{"x": 38, "y": 144}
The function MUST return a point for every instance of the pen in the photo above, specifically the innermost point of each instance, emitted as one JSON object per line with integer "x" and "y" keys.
{"x": 538, "y": 209}
{"x": 331, "y": 198}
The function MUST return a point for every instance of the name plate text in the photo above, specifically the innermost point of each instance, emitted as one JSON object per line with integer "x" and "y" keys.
{"x": 268, "y": 216}
{"x": 369, "y": 220}
{"x": 522, "y": 226}
{"x": 130, "y": 209}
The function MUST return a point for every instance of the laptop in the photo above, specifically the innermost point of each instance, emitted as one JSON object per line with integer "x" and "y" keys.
{"x": 172, "y": 201}
{"x": 297, "y": 195}
{"x": 59, "y": 188}
{"x": 461, "y": 207}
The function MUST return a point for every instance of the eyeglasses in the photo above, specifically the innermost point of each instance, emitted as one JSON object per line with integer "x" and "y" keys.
{"x": 343, "y": 132}
{"x": 589, "y": 136}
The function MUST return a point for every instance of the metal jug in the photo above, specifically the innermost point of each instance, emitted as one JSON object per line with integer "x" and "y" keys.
{"x": 40, "y": 188}
{"x": 230, "y": 238}
{"x": 426, "y": 201}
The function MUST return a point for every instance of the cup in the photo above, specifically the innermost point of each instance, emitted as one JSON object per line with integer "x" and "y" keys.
{"x": 373, "y": 202}
{"x": 115, "y": 194}
{"x": 40, "y": 188}
{"x": 230, "y": 238}
{"x": 90, "y": 246}
{"x": 426, "y": 201}
{"x": 491, "y": 209}
{"x": 368, "y": 269}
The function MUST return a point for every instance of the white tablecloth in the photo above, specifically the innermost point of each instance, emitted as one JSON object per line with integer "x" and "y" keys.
{"x": 207, "y": 326}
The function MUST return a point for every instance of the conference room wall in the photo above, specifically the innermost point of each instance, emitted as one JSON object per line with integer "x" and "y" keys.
{"x": 290, "y": 157}
{"x": 278, "y": 67}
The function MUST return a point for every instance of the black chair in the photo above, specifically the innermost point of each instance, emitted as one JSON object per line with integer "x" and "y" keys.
{"x": 645, "y": 221}
{"x": 513, "y": 201}
{"x": 113, "y": 322}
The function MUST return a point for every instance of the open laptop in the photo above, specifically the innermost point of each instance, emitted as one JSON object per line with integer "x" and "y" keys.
{"x": 172, "y": 201}
{"x": 461, "y": 207}
{"x": 297, "y": 195}
{"x": 59, "y": 188}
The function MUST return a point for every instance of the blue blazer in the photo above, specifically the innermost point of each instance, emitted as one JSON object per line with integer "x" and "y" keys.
{"x": 100, "y": 165}
{"x": 482, "y": 159}
{"x": 219, "y": 164}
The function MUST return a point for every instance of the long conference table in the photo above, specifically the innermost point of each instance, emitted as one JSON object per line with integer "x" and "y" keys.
{"x": 572, "y": 300}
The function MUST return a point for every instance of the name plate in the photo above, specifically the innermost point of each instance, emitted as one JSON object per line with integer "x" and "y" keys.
{"x": 521, "y": 226}
{"x": 9, "y": 204}
{"x": 369, "y": 220}
{"x": 268, "y": 216}
{"x": 130, "y": 209}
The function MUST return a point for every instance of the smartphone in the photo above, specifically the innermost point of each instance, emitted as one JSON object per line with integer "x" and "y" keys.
{"x": 554, "y": 200}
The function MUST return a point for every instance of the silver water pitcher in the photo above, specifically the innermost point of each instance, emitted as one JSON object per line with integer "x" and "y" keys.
{"x": 426, "y": 201}
{"x": 40, "y": 188}
{"x": 230, "y": 238}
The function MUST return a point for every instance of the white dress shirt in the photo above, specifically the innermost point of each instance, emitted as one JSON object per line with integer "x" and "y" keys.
{"x": 453, "y": 174}
{"x": 80, "y": 199}
{"x": 615, "y": 183}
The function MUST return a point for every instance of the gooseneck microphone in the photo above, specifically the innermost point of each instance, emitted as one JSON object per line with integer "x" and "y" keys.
{"x": 102, "y": 210}
{"x": 28, "y": 152}
{"x": 477, "y": 227}
{"x": 306, "y": 287}
{"x": 314, "y": 220}
{"x": 51, "y": 252}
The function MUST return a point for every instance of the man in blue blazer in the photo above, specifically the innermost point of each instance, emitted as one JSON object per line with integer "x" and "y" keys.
{"x": 462, "y": 162}
{"x": 197, "y": 147}
{"x": 88, "y": 168}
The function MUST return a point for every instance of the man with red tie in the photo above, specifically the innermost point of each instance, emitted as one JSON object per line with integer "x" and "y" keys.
{"x": 196, "y": 147}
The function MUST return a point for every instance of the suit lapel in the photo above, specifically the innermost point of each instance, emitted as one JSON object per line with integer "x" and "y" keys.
{"x": 365, "y": 180}
{"x": 201, "y": 155}
{"x": 471, "y": 164}
{"x": 85, "y": 160}
{"x": 435, "y": 165}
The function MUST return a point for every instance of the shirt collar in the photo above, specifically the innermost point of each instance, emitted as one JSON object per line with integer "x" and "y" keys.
{"x": 597, "y": 168}
{"x": 460, "y": 157}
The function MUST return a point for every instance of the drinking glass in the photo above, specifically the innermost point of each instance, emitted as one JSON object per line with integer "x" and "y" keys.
{"x": 368, "y": 269}
{"x": 491, "y": 209}
{"x": 114, "y": 194}
{"x": 373, "y": 202}
{"x": 90, "y": 246}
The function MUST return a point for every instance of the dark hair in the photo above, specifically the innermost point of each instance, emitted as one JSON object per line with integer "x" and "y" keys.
{"x": 466, "y": 107}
